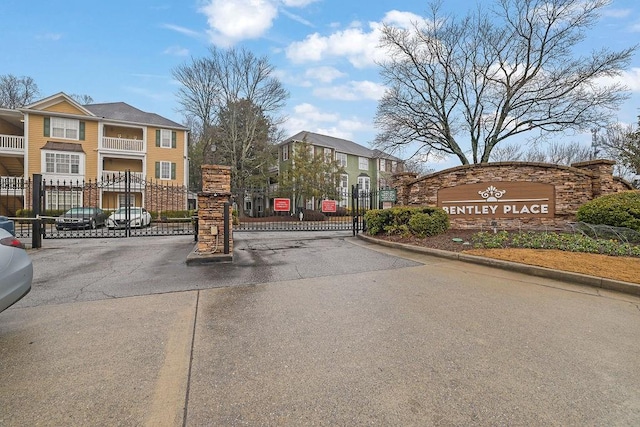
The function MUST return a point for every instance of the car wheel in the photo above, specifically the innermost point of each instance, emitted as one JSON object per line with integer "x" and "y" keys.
{"x": 93, "y": 224}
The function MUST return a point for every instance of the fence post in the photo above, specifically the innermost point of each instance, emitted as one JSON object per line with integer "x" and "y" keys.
{"x": 36, "y": 227}
{"x": 226, "y": 227}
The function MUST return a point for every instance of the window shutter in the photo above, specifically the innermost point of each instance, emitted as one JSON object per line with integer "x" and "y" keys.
{"x": 157, "y": 169}
{"x": 81, "y": 132}
{"x": 47, "y": 125}
{"x": 173, "y": 171}
{"x": 173, "y": 139}
{"x": 157, "y": 137}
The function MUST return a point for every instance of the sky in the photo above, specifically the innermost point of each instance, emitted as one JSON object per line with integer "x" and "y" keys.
{"x": 323, "y": 51}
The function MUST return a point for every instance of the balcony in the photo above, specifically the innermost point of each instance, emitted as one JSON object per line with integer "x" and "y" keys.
{"x": 13, "y": 144}
{"x": 115, "y": 180}
{"x": 12, "y": 185}
{"x": 123, "y": 145}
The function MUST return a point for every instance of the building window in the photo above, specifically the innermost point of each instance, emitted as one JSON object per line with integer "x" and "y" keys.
{"x": 364, "y": 184}
{"x": 65, "y": 128}
{"x": 285, "y": 152}
{"x": 63, "y": 198}
{"x": 165, "y": 138}
{"x": 341, "y": 158}
{"x": 382, "y": 165}
{"x": 124, "y": 201}
{"x": 327, "y": 155}
{"x": 62, "y": 163}
{"x": 343, "y": 190}
{"x": 394, "y": 166}
{"x": 165, "y": 170}
{"x": 363, "y": 163}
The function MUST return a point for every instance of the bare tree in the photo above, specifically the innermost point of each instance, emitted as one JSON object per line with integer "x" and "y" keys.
{"x": 16, "y": 92}
{"x": 236, "y": 99}
{"x": 477, "y": 81}
{"x": 556, "y": 153}
{"x": 82, "y": 99}
{"x": 621, "y": 143}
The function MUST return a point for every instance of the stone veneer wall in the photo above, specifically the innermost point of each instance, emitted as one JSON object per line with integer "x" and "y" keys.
{"x": 216, "y": 190}
{"x": 574, "y": 185}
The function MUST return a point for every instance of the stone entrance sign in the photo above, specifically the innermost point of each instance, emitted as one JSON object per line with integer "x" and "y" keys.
{"x": 517, "y": 195}
{"x": 498, "y": 200}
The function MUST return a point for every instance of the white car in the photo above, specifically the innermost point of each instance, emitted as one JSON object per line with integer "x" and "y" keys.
{"x": 16, "y": 270}
{"x": 138, "y": 218}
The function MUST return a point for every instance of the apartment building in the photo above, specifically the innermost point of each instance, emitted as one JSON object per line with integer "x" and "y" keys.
{"x": 71, "y": 145}
{"x": 369, "y": 169}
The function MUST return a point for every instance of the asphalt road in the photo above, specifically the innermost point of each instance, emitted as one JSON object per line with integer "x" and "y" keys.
{"x": 309, "y": 329}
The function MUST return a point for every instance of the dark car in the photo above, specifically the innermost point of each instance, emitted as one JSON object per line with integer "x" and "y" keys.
{"x": 81, "y": 218}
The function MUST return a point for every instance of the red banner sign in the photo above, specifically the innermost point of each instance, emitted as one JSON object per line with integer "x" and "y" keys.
{"x": 281, "y": 205}
{"x": 329, "y": 206}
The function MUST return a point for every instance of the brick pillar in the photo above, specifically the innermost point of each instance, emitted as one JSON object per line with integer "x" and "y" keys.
{"x": 602, "y": 169}
{"x": 400, "y": 181}
{"x": 216, "y": 191}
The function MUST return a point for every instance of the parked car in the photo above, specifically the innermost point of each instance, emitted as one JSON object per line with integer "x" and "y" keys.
{"x": 16, "y": 270}
{"x": 81, "y": 218}
{"x": 138, "y": 218}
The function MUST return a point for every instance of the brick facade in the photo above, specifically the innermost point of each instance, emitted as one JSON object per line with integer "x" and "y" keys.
{"x": 216, "y": 190}
{"x": 574, "y": 185}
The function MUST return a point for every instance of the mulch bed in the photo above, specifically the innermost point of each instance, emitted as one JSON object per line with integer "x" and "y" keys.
{"x": 442, "y": 241}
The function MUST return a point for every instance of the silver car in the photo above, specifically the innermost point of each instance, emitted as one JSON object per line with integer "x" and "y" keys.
{"x": 138, "y": 218}
{"x": 16, "y": 270}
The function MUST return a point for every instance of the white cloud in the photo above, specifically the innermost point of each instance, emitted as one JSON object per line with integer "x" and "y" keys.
{"x": 353, "y": 91}
{"x": 356, "y": 43}
{"x": 50, "y": 36}
{"x": 297, "y": 18}
{"x": 298, "y": 3}
{"x": 630, "y": 78}
{"x": 176, "y": 50}
{"x": 231, "y": 21}
{"x": 310, "y": 118}
{"x": 616, "y": 13}
{"x": 181, "y": 30}
{"x": 324, "y": 74}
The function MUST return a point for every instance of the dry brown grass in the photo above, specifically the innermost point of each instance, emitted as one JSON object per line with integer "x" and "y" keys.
{"x": 626, "y": 269}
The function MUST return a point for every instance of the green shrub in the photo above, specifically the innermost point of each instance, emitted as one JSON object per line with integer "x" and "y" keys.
{"x": 560, "y": 241}
{"x": 617, "y": 210}
{"x": 421, "y": 222}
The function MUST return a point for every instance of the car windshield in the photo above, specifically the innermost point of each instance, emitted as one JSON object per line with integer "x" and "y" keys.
{"x": 133, "y": 211}
{"x": 79, "y": 211}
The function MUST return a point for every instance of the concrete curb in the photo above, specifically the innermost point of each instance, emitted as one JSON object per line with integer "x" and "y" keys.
{"x": 532, "y": 270}
{"x": 197, "y": 258}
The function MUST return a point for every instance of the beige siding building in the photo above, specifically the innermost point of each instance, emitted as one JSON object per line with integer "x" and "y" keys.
{"x": 68, "y": 143}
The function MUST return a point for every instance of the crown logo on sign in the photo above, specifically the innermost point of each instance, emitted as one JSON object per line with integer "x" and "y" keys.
{"x": 491, "y": 194}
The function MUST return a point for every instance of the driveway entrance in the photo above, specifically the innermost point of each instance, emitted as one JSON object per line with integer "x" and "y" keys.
{"x": 321, "y": 331}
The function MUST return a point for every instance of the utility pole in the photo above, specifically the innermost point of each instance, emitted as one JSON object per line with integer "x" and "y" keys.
{"x": 595, "y": 145}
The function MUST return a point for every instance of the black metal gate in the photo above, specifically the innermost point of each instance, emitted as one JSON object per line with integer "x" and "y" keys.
{"x": 118, "y": 205}
{"x": 257, "y": 210}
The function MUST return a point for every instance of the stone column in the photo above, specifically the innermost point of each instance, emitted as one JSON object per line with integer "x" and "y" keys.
{"x": 602, "y": 169}
{"x": 216, "y": 191}
{"x": 400, "y": 181}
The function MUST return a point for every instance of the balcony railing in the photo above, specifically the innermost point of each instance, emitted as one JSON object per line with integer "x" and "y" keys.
{"x": 12, "y": 143}
{"x": 109, "y": 175}
{"x": 122, "y": 144}
{"x": 116, "y": 179}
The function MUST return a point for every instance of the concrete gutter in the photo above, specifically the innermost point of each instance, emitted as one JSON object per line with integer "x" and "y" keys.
{"x": 532, "y": 270}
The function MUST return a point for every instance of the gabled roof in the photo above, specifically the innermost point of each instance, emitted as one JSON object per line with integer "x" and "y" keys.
{"x": 338, "y": 144}
{"x": 56, "y": 99}
{"x": 123, "y": 112}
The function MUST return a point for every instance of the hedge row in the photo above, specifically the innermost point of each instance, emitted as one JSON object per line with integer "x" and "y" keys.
{"x": 418, "y": 221}
{"x": 617, "y": 210}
